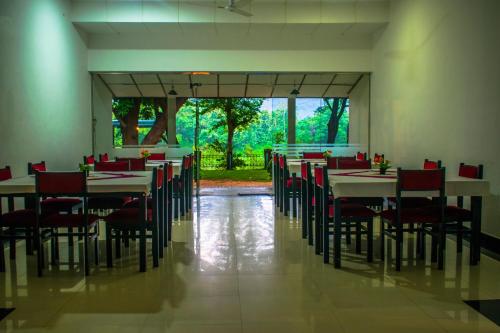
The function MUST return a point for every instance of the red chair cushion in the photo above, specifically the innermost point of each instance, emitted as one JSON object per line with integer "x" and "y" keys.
{"x": 289, "y": 182}
{"x": 157, "y": 157}
{"x": 68, "y": 220}
{"x": 352, "y": 210}
{"x": 412, "y": 202}
{"x": 126, "y": 217}
{"x": 59, "y": 204}
{"x": 112, "y": 166}
{"x": 454, "y": 213}
{"x": 411, "y": 215}
{"x": 19, "y": 218}
{"x": 313, "y": 155}
{"x": 134, "y": 203}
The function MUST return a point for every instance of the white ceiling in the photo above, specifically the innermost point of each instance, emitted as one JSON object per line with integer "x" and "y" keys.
{"x": 231, "y": 84}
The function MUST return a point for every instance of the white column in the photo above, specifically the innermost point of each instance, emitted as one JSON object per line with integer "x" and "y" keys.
{"x": 291, "y": 119}
{"x": 171, "y": 127}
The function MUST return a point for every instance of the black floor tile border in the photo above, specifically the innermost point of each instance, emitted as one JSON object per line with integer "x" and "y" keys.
{"x": 490, "y": 308}
{"x": 4, "y": 312}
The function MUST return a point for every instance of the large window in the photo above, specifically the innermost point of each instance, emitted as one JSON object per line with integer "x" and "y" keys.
{"x": 322, "y": 120}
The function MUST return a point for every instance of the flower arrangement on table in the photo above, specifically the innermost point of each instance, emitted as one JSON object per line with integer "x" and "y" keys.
{"x": 84, "y": 168}
{"x": 145, "y": 154}
{"x": 327, "y": 153}
{"x": 383, "y": 166}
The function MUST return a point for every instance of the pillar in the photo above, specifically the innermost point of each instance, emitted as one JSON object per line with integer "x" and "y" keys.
{"x": 172, "y": 121}
{"x": 291, "y": 120}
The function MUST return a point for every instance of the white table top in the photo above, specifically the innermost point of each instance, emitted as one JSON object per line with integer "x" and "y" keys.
{"x": 369, "y": 183}
{"x": 176, "y": 165}
{"x": 97, "y": 182}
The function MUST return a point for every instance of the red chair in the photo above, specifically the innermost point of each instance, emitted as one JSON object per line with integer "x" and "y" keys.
{"x": 157, "y": 157}
{"x": 312, "y": 155}
{"x": 136, "y": 163}
{"x": 137, "y": 221}
{"x": 52, "y": 204}
{"x": 414, "y": 181}
{"x": 359, "y": 214}
{"x": 307, "y": 196}
{"x": 19, "y": 224}
{"x": 103, "y": 157}
{"x": 360, "y": 156}
{"x": 354, "y": 164}
{"x": 112, "y": 166}
{"x": 290, "y": 187}
{"x": 65, "y": 184}
{"x": 88, "y": 159}
{"x": 431, "y": 165}
{"x": 168, "y": 195}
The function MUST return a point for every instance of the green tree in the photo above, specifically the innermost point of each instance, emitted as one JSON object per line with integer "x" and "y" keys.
{"x": 337, "y": 107}
{"x": 234, "y": 114}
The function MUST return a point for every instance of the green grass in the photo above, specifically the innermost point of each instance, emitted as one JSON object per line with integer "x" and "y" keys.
{"x": 242, "y": 175}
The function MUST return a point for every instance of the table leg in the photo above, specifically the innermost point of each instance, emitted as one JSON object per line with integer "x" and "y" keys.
{"x": 475, "y": 239}
{"x": 142, "y": 231}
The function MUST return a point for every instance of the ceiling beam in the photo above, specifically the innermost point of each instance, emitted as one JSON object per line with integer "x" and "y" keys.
{"x": 329, "y": 85}
{"x": 162, "y": 86}
{"x": 218, "y": 85}
{"x": 274, "y": 85}
{"x": 355, "y": 84}
{"x": 136, "y": 86}
{"x": 107, "y": 86}
{"x": 246, "y": 85}
{"x": 191, "y": 85}
{"x": 301, "y": 82}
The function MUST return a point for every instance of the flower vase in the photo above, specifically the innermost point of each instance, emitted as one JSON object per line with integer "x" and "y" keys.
{"x": 382, "y": 171}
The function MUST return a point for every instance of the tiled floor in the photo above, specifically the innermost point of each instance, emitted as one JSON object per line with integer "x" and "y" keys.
{"x": 237, "y": 266}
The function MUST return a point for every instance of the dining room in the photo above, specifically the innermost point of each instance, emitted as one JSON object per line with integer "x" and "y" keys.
{"x": 373, "y": 123}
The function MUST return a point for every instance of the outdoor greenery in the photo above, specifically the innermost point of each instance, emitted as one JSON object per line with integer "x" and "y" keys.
{"x": 242, "y": 175}
{"x": 242, "y": 122}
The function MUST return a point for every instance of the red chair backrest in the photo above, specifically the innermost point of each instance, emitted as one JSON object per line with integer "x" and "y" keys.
{"x": 470, "y": 171}
{"x": 157, "y": 157}
{"x": 430, "y": 165}
{"x": 112, "y": 166}
{"x": 59, "y": 183}
{"x": 378, "y": 158}
{"x": 318, "y": 176}
{"x": 103, "y": 157}
{"x": 303, "y": 170}
{"x": 332, "y": 162}
{"x": 354, "y": 164}
{"x": 136, "y": 163}
{"x": 5, "y": 174}
{"x": 361, "y": 156}
{"x": 89, "y": 159}
{"x": 421, "y": 180}
{"x": 159, "y": 178}
{"x": 32, "y": 167}
{"x": 282, "y": 162}
{"x": 307, "y": 155}
{"x": 170, "y": 172}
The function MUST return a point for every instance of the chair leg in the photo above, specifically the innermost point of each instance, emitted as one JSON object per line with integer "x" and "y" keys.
{"x": 422, "y": 242}
{"x": 39, "y": 252}
{"x": 441, "y": 245}
{"x": 109, "y": 247}
{"x": 86, "y": 250}
{"x": 460, "y": 231}
{"x": 434, "y": 245}
{"x": 142, "y": 249}
{"x": 53, "y": 246}
{"x": 96, "y": 244}
{"x": 29, "y": 242}
{"x": 369, "y": 236}
{"x": 126, "y": 239}
{"x": 12, "y": 242}
{"x": 348, "y": 233}
{"x": 399, "y": 247}
{"x": 70, "y": 237}
{"x": 118, "y": 243}
{"x": 294, "y": 195}
{"x": 358, "y": 237}
{"x": 382, "y": 240}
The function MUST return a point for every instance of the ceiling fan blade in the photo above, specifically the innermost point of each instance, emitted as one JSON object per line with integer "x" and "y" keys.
{"x": 241, "y": 3}
{"x": 239, "y": 11}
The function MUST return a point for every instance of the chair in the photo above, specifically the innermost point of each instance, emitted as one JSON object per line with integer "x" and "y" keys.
{"x": 359, "y": 214}
{"x": 332, "y": 162}
{"x": 168, "y": 190}
{"x": 306, "y": 200}
{"x": 354, "y": 164}
{"x": 360, "y": 156}
{"x": 51, "y": 204}
{"x": 136, "y": 221}
{"x": 103, "y": 157}
{"x": 136, "y": 163}
{"x": 313, "y": 155}
{"x": 290, "y": 187}
{"x": 414, "y": 181}
{"x": 64, "y": 184}
{"x": 88, "y": 159}
{"x": 157, "y": 157}
{"x": 112, "y": 166}
{"x": 456, "y": 215}
{"x": 19, "y": 223}
{"x": 276, "y": 177}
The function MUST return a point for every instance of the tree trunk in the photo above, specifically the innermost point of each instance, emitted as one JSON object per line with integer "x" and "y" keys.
{"x": 130, "y": 123}
{"x": 333, "y": 122}
{"x": 229, "y": 148}
{"x": 160, "y": 125}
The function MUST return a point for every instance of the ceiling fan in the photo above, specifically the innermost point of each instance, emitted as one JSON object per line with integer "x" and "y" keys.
{"x": 235, "y": 7}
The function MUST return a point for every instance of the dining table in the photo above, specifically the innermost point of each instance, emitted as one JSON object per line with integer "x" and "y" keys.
{"x": 371, "y": 184}
{"x": 130, "y": 183}
{"x": 150, "y": 165}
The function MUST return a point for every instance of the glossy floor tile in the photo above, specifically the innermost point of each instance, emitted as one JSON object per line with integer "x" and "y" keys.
{"x": 237, "y": 265}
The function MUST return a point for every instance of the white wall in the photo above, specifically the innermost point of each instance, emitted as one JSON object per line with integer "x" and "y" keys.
{"x": 359, "y": 112}
{"x": 102, "y": 110}
{"x": 435, "y": 89}
{"x": 44, "y": 86}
